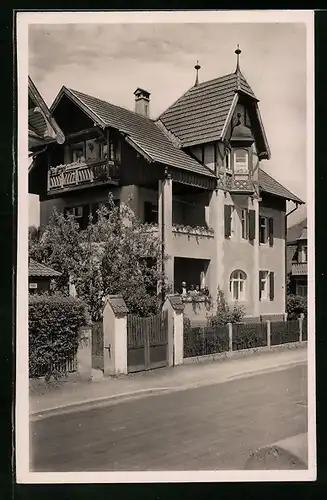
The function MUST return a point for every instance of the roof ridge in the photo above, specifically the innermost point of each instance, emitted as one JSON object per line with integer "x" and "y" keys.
{"x": 111, "y": 104}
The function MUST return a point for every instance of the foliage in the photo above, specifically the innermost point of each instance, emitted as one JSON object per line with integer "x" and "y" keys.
{"x": 249, "y": 336}
{"x": 115, "y": 254}
{"x": 295, "y": 305}
{"x": 54, "y": 323}
{"x": 224, "y": 313}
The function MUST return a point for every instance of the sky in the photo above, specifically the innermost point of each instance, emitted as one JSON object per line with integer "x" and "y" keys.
{"x": 110, "y": 61}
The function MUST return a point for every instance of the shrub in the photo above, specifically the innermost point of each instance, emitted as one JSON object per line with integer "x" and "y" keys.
{"x": 224, "y": 313}
{"x": 54, "y": 325}
{"x": 295, "y": 305}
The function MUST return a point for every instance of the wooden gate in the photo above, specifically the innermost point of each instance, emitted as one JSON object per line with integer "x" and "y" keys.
{"x": 147, "y": 342}
{"x": 97, "y": 345}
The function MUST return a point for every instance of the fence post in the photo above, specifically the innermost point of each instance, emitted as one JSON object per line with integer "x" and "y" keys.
{"x": 230, "y": 337}
{"x": 301, "y": 318}
{"x": 114, "y": 336}
{"x": 175, "y": 307}
{"x": 84, "y": 353}
{"x": 268, "y": 326}
{"x": 285, "y": 316}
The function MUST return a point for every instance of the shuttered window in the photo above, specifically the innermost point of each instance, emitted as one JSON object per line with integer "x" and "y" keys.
{"x": 266, "y": 285}
{"x": 251, "y": 225}
{"x": 228, "y": 220}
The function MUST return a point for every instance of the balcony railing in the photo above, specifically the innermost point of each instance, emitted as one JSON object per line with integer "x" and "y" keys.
{"x": 193, "y": 230}
{"x": 239, "y": 182}
{"x": 77, "y": 174}
{"x": 300, "y": 269}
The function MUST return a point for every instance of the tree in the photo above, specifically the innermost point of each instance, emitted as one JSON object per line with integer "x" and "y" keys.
{"x": 115, "y": 254}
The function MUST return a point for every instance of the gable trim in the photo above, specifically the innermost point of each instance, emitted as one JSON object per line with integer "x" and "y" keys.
{"x": 46, "y": 113}
{"x": 229, "y": 117}
{"x": 64, "y": 91}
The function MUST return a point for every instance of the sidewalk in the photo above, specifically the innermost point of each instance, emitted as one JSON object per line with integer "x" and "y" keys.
{"x": 56, "y": 397}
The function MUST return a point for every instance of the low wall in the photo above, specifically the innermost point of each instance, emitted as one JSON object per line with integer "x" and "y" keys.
{"x": 197, "y": 312}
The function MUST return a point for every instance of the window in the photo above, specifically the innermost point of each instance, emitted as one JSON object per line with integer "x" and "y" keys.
{"x": 304, "y": 253}
{"x": 228, "y": 216}
{"x": 78, "y": 152}
{"x": 266, "y": 230}
{"x": 80, "y": 213}
{"x": 150, "y": 212}
{"x": 266, "y": 285}
{"x": 237, "y": 285}
{"x": 302, "y": 290}
{"x": 245, "y": 223}
{"x": 227, "y": 160}
{"x": 241, "y": 161}
{"x": 263, "y": 228}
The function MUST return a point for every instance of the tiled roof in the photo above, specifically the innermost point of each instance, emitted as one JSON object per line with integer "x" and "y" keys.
{"x": 35, "y": 269}
{"x": 268, "y": 184}
{"x": 117, "y": 304}
{"x": 176, "y": 302}
{"x": 143, "y": 132}
{"x": 200, "y": 114}
{"x": 295, "y": 231}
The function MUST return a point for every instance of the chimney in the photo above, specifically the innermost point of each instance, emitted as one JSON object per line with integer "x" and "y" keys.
{"x": 142, "y": 102}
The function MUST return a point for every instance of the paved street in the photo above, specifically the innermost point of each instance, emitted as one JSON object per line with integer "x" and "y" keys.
{"x": 210, "y": 427}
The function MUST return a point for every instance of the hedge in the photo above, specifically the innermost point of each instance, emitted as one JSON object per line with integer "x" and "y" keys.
{"x": 54, "y": 326}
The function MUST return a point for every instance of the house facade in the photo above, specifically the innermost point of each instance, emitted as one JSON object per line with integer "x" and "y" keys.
{"x": 194, "y": 173}
{"x": 297, "y": 258}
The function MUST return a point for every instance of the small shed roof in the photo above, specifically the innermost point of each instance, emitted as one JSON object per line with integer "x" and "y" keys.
{"x": 36, "y": 270}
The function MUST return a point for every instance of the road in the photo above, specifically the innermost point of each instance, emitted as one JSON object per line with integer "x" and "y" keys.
{"x": 208, "y": 428}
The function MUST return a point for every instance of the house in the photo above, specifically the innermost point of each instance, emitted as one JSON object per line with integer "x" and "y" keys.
{"x": 40, "y": 276}
{"x": 42, "y": 127}
{"x": 194, "y": 172}
{"x": 297, "y": 258}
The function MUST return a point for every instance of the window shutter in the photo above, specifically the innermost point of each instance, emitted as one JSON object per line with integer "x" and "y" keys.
{"x": 271, "y": 286}
{"x": 251, "y": 224}
{"x": 228, "y": 225}
{"x": 271, "y": 231}
{"x": 260, "y": 278}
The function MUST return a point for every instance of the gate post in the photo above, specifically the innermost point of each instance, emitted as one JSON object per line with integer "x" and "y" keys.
{"x": 175, "y": 307}
{"x": 114, "y": 336}
{"x": 84, "y": 353}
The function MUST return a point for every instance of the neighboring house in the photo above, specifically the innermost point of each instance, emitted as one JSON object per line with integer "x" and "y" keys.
{"x": 42, "y": 127}
{"x": 40, "y": 276}
{"x": 194, "y": 172}
{"x": 297, "y": 258}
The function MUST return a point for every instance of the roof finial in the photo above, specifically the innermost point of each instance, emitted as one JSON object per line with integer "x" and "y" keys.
{"x": 238, "y": 52}
{"x": 197, "y": 67}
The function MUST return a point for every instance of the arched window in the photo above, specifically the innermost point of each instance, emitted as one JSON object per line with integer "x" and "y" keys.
{"x": 241, "y": 161}
{"x": 237, "y": 285}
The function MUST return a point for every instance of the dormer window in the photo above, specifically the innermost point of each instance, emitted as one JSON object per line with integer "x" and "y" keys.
{"x": 241, "y": 161}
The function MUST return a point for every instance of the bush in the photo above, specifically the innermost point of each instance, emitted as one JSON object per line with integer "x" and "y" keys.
{"x": 224, "y": 313}
{"x": 296, "y": 305}
{"x": 54, "y": 325}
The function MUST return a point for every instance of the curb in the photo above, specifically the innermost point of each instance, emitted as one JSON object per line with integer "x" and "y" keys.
{"x": 139, "y": 393}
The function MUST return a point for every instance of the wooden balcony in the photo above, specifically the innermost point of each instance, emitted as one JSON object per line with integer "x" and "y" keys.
{"x": 77, "y": 175}
{"x": 236, "y": 183}
{"x": 299, "y": 269}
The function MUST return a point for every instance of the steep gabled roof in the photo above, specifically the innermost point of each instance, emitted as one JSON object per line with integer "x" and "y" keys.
{"x": 140, "y": 132}
{"x": 35, "y": 269}
{"x": 202, "y": 114}
{"x": 42, "y": 127}
{"x": 295, "y": 232}
{"x": 269, "y": 185}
